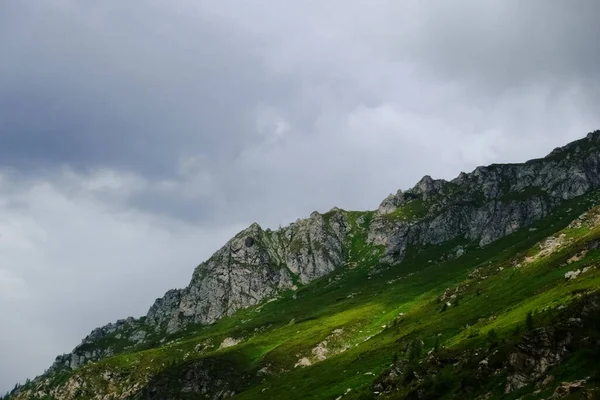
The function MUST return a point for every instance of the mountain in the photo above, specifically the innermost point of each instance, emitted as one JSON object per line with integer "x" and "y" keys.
{"x": 485, "y": 286}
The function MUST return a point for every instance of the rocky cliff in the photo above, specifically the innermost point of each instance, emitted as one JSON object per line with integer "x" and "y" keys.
{"x": 254, "y": 265}
{"x": 257, "y": 264}
{"x": 487, "y": 204}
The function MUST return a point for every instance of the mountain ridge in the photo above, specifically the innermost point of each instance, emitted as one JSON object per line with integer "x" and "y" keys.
{"x": 205, "y": 301}
{"x": 470, "y": 211}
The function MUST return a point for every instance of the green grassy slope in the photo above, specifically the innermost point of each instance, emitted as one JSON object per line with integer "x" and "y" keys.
{"x": 338, "y": 335}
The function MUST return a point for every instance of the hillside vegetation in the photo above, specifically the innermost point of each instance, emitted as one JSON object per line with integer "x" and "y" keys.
{"x": 485, "y": 287}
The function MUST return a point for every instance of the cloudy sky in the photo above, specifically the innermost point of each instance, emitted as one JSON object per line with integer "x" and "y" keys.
{"x": 136, "y": 137}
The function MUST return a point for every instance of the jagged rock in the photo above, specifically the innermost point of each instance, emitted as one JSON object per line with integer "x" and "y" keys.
{"x": 253, "y": 266}
{"x": 544, "y": 348}
{"x": 567, "y": 388}
{"x": 391, "y": 203}
{"x": 87, "y": 351}
{"x": 229, "y": 342}
{"x": 572, "y": 274}
{"x": 427, "y": 188}
{"x": 489, "y": 203}
{"x": 138, "y": 336}
{"x": 303, "y": 362}
{"x": 239, "y": 275}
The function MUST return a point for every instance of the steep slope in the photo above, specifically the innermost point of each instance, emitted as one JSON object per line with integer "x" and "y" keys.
{"x": 254, "y": 265}
{"x": 328, "y": 299}
{"x": 485, "y": 205}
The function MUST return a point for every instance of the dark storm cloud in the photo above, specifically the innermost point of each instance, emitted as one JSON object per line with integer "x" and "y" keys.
{"x": 139, "y": 87}
{"x": 136, "y": 137}
{"x": 123, "y": 85}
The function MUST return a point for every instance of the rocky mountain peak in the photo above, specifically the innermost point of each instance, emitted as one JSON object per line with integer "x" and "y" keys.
{"x": 477, "y": 208}
{"x": 576, "y": 148}
{"x": 391, "y": 203}
{"x": 427, "y": 187}
{"x": 482, "y": 206}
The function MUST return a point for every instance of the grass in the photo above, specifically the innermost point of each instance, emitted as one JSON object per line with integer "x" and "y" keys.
{"x": 411, "y": 210}
{"x": 525, "y": 194}
{"x": 380, "y": 310}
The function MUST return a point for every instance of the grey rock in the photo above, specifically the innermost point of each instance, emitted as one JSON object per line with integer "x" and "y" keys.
{"x": 489, "y": 203}
{"x": 544, "y": 348}
{"x": 89, "y": 351}
{"x": 391, "y": 203}
{"x": 253, "y": 266}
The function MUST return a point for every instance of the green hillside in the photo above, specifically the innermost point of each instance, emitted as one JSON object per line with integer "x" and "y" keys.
{"x": 370, "y": 318}
{"x": 518, "y": 318}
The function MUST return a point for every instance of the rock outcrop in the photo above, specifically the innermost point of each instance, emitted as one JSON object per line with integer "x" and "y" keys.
{"x": 256, "y": 264}
{"x": 487, "y": 204}
{"x": 103, "y": 342}
{"x": 546, "y": 347}
{"x": 527, "y": 362}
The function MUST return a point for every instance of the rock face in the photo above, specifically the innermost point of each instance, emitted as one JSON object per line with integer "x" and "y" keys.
{"x": 541, "y": 350}
{"x": 254, "y": 265}
{"x": 528, "y": 361}
{"x": 202, "y": 379}
{"x": 480, "y": 207}
{"x": 487, "y": 204}
{"x": 483, "y": 206}
{"x": 547, "y": 347}
{"x": 117, "y": 336}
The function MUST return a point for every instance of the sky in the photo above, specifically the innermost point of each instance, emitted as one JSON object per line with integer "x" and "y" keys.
{"x": 137, "y": 137}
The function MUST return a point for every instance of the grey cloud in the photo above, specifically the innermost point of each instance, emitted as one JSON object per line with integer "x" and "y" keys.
{"x": 506, "y": 44}
{"x": 134, "y": 126}
{"x": 122, "y": 85}
{"x": 139, "y": 87}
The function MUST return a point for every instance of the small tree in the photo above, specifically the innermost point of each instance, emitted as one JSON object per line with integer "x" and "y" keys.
{"x": 395, "y": 358}
{"x": 492, "y": 336}
{"x": 436, "y": 346}
{"x": 444, "y": 307}
{"x": 529, "y": 321}
{"x": 414, "y": 350}
{"x": 517, "y": 330}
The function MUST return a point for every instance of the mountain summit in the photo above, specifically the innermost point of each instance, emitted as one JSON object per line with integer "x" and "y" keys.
{"x": 484, "y": 285}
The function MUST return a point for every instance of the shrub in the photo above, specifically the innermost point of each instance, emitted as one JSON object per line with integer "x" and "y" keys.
{"x": 529, "y": 321}
{"x": 492, "y": 336}
{"x": 414, "y": 350}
